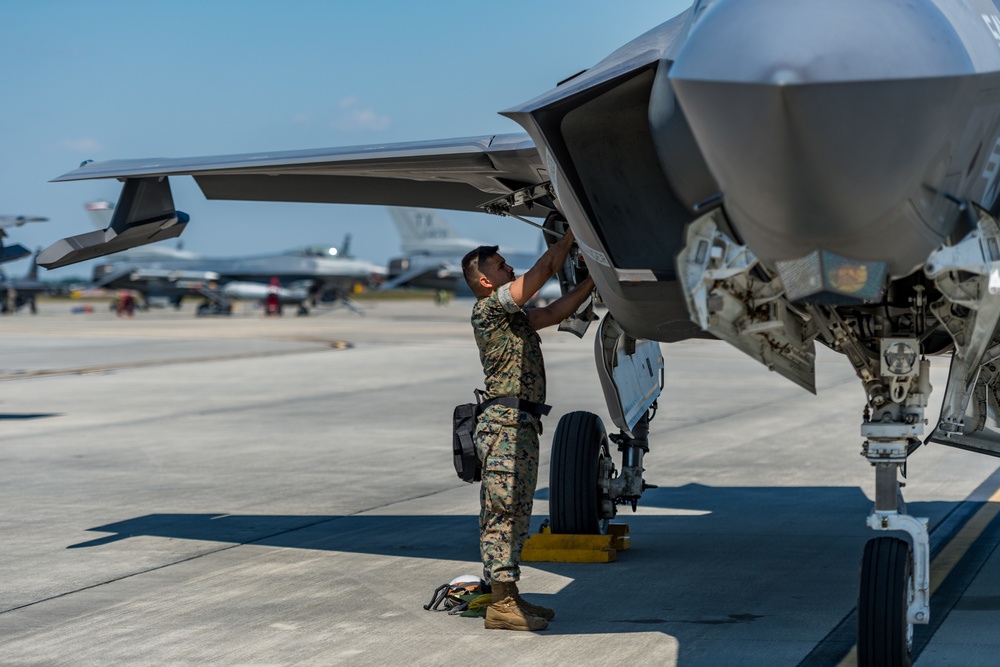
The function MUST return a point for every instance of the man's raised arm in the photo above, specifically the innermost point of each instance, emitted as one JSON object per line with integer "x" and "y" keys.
{"x": 524, "y": 287}
{"x": 561, "y": 308}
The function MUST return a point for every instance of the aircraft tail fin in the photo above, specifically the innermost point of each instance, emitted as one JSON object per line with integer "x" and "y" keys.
{"x": 418, "y": 225}
{"x": 345, "y": 249}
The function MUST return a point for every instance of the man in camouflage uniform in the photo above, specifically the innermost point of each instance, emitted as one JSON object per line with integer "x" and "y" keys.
{"x": 506, "y": 436}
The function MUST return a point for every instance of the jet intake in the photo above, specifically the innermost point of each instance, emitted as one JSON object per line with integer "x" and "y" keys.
{"x": 144, "y": 214}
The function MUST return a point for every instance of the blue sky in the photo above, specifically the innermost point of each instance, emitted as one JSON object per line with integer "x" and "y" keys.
{"x": 109, "y": 79}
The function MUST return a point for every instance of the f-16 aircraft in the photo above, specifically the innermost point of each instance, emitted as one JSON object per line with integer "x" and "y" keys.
{"x": 306, "y": 274}
{"x": 10, "y": 252}
{"x": 316, "y": 273}
{"x": 433, "y": 251}
{"x": 775, "y": 174}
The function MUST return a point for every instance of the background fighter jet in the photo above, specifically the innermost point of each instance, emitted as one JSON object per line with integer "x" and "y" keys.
{"x": 773, "y": 173}
{"x": 314, "y": 273}
{"x": 18, "y": 292}
{"x": 163, "y": 274}
{"x": 433, "y": 252}
{"x": 15, "y": 293}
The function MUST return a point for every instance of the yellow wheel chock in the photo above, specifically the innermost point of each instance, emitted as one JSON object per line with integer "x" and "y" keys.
{"x": 545, "y": 547}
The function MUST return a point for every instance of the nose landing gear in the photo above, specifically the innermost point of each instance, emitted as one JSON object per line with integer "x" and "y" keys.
{"x": 894, "y": 589}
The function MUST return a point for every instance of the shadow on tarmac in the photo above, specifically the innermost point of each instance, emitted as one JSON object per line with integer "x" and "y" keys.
{"x": 707, "y": 564}
{"x": 28, "y": 415}
{"x": 720, "y": 510}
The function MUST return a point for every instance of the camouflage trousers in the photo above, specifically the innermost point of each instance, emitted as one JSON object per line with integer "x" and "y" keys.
{"x": 507, "y": 444}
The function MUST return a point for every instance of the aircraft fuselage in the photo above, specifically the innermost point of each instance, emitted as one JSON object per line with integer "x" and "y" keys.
{"x": 862, "y": 129}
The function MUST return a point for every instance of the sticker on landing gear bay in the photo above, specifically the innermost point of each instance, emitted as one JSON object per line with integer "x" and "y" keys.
{"x": 595, "y": 255}
{"x": 553, "y": 172}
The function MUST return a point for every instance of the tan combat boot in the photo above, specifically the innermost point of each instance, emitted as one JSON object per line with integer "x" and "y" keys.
{"x": 505, "y": 614}
{"x": 533, "y": 609}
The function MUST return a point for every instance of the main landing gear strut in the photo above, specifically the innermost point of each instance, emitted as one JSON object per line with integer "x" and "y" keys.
{"x": 584, "y": 489}
{"x": 584, "y": 486}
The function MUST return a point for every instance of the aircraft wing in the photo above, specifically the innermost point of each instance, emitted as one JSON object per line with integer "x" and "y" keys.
{"x": 456, "y": 174}
{"x": 10, "y": 252}
{"x": 18, "y": 220}
{"x": 420, "y": 272}
{"x": 129, "y": 276}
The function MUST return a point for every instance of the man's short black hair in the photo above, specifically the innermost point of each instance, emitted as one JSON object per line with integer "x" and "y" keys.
{"x": 471, "y": 262}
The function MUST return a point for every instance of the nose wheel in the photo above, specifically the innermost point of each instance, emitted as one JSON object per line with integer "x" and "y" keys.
{"x": 885, "y": 593}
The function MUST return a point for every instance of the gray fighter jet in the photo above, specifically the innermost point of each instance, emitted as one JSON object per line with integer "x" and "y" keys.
{"x": 309, "y": 275}
{"x": 167, "y": 275}
{"x": 773, "y": 173}
{"x": 16, "y": 293}
{"x": 433, "y": 251}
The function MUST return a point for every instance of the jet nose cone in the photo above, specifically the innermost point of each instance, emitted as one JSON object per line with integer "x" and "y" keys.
{"x": 821, "y": 120}
{"x": 817, "y": 41}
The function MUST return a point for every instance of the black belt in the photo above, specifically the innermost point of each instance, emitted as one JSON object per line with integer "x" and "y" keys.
{"x": 532, "y": 408}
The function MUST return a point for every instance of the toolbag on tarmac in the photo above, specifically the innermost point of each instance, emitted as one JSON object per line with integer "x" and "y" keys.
{"x": 464, "y": 417}
{"x": 467, "y": 595}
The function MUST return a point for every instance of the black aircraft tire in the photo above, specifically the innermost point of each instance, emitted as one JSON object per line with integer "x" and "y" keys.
{"x": 884, "y": 636}
{"x": 579, "y": 444}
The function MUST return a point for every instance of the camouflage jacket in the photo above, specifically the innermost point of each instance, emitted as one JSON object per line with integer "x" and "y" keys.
{"x": 509, "y": 348}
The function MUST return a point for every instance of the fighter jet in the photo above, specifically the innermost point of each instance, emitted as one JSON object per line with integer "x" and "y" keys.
{"x": 166, "y": 275}
{"x": 316, "y": 273}
{"x": 433, "y": 251}
{"x": 16, "y": 293}
{"x": 775, "y": 174}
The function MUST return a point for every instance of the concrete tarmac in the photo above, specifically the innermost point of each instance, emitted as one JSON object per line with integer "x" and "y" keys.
{"x": 244, "y": 491}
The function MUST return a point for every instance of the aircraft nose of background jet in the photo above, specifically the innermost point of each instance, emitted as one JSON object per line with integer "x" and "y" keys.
{"x": 821, "y": 119}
